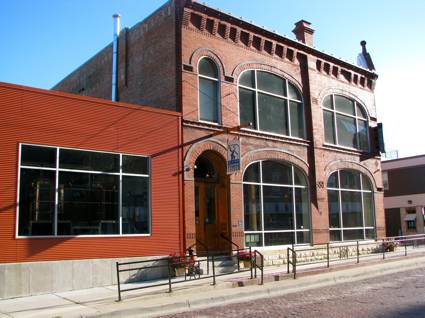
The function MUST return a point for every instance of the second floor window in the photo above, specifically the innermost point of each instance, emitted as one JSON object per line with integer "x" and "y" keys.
{"x": 270, "y": 103}
{"x": 208, "y": 91}
{"x": 345, "y": 123}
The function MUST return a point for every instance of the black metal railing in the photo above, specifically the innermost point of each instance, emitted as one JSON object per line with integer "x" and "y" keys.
{"x": 344, "y": 253}
{"x": 224, "y": 237}
{"x": 189, "y": 252}
{"x": 191, "y": 268}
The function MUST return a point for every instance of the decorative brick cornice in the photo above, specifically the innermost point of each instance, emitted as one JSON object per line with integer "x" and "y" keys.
{"x": 199, "y": 9}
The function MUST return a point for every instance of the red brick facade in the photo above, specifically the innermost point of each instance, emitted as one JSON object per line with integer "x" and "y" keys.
{"x": 235, "y": 45}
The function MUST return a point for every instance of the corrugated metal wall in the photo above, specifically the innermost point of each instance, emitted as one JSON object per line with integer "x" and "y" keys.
{"x": 42, "y": 117}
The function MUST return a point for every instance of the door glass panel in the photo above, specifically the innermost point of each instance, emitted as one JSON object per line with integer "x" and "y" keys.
{"x": 210, "y": 204}
{"x": 197, "y": 204}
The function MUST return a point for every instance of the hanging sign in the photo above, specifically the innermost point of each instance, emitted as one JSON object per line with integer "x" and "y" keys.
{"x": 233, "y": 156}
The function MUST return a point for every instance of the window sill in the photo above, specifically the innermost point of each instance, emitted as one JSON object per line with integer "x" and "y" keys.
{"x": 269, "y": 135}
{"x": 343, "y": 148}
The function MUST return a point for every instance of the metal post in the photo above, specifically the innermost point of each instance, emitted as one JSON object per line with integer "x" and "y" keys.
{"x": 208, "y": 264}
{"x": 294, "y": 265}
{"x": 239, "y": 266}
{"x": 405, "y": 249}
{"x": 327, "y": 254}
{"x": 213, "y": 268}
{"x": 383, "y": 249}
{"x": 255, "y": 264}
{"x": 169, "y": 275}
{"x": 251, "y": 262}
{"x": 262, "y": 268}
{"x": 358, "y": 253}
{"x": 118, "y": 282}
{"x": 287, "y": 260}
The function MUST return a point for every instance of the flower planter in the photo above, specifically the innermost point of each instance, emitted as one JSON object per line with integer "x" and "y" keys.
{"x": 245, "y": 263}
{"x": 180, "y": 271}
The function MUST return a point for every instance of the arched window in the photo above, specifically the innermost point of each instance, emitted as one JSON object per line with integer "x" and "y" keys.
{"x": 345, "y": 122}
{"x": 351, "y": 207}
{"x": 271, "y": 104}
{"x": 276, "y": 204}
{"x": 208, "y": 90}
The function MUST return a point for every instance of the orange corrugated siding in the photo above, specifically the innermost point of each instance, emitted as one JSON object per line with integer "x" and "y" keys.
{"x": 42, "y": 117}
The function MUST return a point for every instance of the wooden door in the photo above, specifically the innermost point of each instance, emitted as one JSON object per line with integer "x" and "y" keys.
{"x": 211, "y": 217}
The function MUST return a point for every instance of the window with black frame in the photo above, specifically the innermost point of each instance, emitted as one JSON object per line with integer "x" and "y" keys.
{"x": 345, "y": 122}
{"x": 351, "y": 206}
{"x": 208, "y": 91}
{"x": 270, "y": 103}
{"x": 276, "y": 204}
{"x": 78, "y": 192}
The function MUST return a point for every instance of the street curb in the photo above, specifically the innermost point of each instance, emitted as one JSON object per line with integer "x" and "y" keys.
{"x": 278, "y": 288}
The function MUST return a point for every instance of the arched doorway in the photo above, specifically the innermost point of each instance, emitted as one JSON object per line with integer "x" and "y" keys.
{"x": 211, "y": 204}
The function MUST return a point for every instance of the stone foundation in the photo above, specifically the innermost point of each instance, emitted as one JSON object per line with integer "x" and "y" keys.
{"x": 319, "y": 253}
{"x": 35, "y": 278}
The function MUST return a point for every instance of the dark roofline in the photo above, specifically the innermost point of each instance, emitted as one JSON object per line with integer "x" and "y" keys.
{"x": 404, "y": 158}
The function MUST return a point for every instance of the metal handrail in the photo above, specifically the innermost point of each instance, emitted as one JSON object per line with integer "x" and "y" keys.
{"x": 385, "y": 247}
{"x": 189, "y": 262}
{"x": 229, "y": 240}
{"x": 260, "y": 267}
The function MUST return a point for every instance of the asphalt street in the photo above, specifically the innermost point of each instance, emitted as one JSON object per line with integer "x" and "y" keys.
{"x": 389, "y": 296}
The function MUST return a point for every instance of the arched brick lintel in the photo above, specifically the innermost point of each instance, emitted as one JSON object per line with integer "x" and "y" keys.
{"x": 270, "y": 154}
{"x": 197, "y": 149}
{"x": 352, "y": 165}
{"x": 258, "y": 65}
{"x": 205, "y": 52}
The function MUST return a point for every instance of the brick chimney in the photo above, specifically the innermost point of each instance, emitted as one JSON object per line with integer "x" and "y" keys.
{"x": 303, "y": 32}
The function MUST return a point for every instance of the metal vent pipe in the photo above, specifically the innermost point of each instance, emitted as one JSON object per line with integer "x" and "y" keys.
{"x": 116, "y": 18}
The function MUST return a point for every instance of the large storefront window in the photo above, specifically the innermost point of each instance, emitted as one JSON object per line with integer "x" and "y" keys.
{"x": 351, "y": 207}
{"x": 276, "y": 204}
{"x": 78, "y": 192}
{"x": 270, "y": 104}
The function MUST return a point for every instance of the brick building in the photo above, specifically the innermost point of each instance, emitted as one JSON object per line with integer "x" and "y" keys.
{"x": 305, "y": 122}
{"x": 404, "y": 195}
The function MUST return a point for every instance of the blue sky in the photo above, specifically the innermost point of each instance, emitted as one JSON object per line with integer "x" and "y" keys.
{"x": 44, "y": 40}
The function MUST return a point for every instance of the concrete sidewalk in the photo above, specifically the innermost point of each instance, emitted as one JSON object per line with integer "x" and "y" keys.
{"x": 101, "y": 302}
